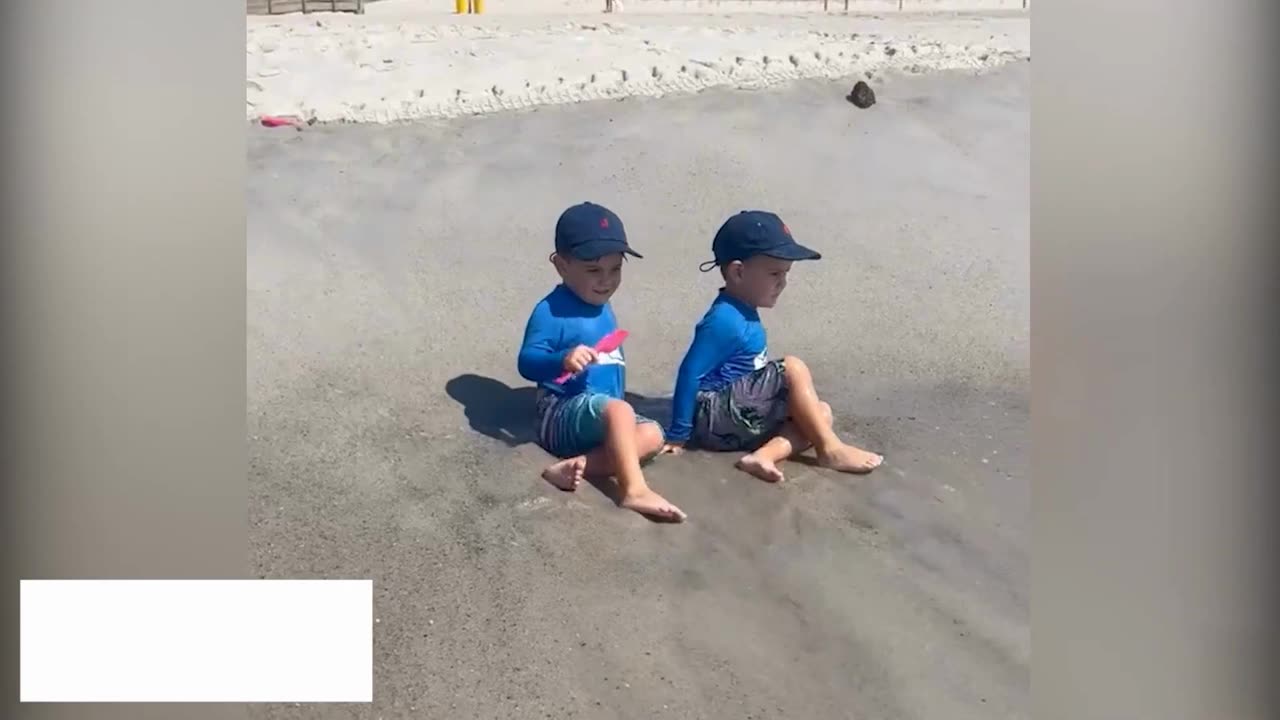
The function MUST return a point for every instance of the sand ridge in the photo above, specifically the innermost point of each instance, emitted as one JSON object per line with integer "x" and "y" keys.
{"x": 396, "y": 65}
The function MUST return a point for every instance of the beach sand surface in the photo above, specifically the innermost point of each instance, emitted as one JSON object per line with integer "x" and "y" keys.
{"x": 407, "y": 60}
{"x": 390, "y": 272}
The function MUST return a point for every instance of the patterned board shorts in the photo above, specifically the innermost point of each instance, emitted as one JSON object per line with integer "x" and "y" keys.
{"x": 573, "y": 425}
{"x": 745, "y": 413}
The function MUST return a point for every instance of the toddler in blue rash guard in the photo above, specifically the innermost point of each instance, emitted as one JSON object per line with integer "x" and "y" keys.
{"x": 729, "y": 395}
{"x": 586, "y": 422}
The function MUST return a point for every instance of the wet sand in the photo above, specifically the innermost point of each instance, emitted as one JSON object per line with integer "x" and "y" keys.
{"x": 390, "y": 272}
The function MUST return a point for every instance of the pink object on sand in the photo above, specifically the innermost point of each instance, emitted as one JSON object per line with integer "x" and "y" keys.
{"x": 607, "y": 344}
{"x": 281, "y": 121}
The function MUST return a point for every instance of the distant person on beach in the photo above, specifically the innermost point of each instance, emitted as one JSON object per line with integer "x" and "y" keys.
{"x": 729, "y": 395}
{"x": 585, "y": 421}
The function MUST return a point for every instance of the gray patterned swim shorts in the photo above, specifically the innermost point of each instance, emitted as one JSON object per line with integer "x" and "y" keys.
{"x": 745, "y": 413}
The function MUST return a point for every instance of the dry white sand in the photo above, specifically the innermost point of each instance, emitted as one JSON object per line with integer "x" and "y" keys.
{"x": 406, "y": 59}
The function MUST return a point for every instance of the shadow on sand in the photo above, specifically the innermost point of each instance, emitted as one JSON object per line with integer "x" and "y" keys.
{"x": 494, "y": 409}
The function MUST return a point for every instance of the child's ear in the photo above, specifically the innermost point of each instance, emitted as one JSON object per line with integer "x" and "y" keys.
{"x": 734, "y": 270}
{"x": 558, "y": 262}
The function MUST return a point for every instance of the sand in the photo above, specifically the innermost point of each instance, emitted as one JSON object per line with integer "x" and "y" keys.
{"x": 390, "y": 271}
{"x": 407, "y": 60}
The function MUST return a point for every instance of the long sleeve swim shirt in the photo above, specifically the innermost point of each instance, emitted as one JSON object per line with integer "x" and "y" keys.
{"x": 728, "y": 342}
{"x": 560, "y": 322}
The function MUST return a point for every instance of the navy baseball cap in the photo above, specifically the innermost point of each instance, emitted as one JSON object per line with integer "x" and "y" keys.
{"x": 590, "y": 231}
{"x": 755, "y": 232}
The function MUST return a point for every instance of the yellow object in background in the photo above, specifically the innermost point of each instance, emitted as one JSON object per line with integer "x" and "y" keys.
{"x": 461, "y": 6}
{"x": 477, "y": 6}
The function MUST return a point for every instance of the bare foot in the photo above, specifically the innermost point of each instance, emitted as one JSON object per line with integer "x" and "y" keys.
{"x": 847, "y": 458}
{"x": 761, "y": 468}
{"x": 648, "y": 502}
{"x": 566, "y": 474}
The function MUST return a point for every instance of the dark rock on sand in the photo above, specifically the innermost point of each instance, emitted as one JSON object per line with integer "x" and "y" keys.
{"x": 862, "y": 95}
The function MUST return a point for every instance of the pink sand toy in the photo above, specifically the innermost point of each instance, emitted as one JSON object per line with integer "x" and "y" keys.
{"x": 607, "y": 344}
{"x": 282, "y": 121}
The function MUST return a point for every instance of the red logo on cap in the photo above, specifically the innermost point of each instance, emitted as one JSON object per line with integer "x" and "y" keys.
{"x": 604, "y": 222}
{"x": 786, "y": 230}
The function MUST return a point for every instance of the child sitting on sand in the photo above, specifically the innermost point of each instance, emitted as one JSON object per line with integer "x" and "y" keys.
{"x": 729, "y": 396}
{"x": 586, "y": 421}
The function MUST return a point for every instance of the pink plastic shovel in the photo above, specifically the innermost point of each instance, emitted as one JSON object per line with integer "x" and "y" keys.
{"x": 607, "y": 344}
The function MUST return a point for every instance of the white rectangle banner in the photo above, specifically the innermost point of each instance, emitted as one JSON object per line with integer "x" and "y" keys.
{"x": 196, "y": 640}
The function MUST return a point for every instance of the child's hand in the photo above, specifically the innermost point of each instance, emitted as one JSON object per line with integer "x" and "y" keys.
{"x": 578, "y": 358}
{"x": 671, "y": 449}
